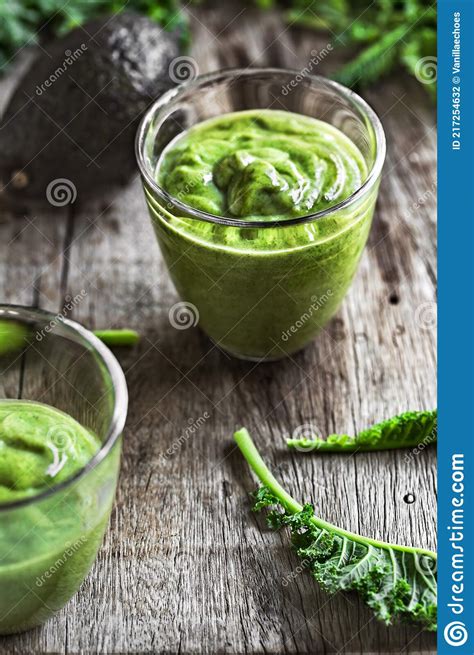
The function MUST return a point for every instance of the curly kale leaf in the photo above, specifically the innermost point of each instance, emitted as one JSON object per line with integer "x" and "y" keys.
{"x": 407, "y": 430}
{"x": 397, "y": 582}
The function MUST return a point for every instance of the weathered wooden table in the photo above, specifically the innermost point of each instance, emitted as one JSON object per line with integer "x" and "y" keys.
{"x": 185, "y": 566}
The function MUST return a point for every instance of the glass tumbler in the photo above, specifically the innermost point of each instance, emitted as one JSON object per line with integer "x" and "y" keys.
{"x": 49, "y": 541}
{"x": 261, "y": 288}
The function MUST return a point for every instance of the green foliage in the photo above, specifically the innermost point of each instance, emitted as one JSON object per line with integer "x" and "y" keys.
{"x": 418, "y": 47}
{"x": 373, "y": 62}
{"x": 396, "y": 582}
{"x": 387, "y": 33}
{"x": 25, "y": 22}
{"x": 406, "y": 430}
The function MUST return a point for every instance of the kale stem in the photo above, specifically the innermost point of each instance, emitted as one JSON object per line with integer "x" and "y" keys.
{"x": 123, "y": 337}
{"x": 261, "y": 470}
{"x": 249, "y": 451}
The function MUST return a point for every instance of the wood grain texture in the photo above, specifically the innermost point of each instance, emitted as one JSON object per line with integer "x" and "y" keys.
{"x": 185, "y": 566}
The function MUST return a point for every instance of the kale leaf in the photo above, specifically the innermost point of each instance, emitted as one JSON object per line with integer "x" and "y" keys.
{"x": 406, "y": 430}
{"x": 396, "y": 582}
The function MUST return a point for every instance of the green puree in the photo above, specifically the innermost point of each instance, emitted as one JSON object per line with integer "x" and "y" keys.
{"x": 46, "y": 546}
{"x": 268, "y": 163}
{"x": 262, "y": 292}
{"x": 39, "y": 447}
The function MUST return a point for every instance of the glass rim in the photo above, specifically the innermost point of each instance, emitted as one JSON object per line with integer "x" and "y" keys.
{"x": 163, "y": 100}
{"x": 119, "y": 415}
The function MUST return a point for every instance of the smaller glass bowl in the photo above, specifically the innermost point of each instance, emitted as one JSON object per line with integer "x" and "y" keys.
{"x": 49, "y": 542}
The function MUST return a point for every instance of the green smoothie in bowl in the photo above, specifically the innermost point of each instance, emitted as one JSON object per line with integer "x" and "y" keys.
{"x": 261, "y": 215}
{"x": 57, "y": 474}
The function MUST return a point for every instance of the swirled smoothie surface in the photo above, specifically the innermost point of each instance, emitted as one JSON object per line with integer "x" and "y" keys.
{"x": 39, "y": 447}
{"x": 262, "y": 164}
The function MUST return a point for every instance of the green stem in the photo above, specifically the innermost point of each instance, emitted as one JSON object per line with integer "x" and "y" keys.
{"x": 254, "y": 460}
{"x": 123, "y": 337}
{"x": 263, "y": 473}
{"x": 311, "y": 445}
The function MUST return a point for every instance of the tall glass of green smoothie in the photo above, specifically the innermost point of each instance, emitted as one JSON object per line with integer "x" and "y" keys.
{"x": 63, "y": 403}
{"x": 261, "y": 185}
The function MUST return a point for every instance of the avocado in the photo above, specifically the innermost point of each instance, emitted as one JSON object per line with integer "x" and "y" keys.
{"x": 72, "y": 118}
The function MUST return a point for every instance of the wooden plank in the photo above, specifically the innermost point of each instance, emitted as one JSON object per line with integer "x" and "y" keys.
{"x": 185, "y": 566}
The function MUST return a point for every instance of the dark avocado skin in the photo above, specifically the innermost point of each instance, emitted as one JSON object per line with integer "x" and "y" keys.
{"x": 82, "y": 127}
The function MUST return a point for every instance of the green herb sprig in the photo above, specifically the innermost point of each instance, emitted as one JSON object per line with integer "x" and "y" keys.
{"x": 396, "y": 582}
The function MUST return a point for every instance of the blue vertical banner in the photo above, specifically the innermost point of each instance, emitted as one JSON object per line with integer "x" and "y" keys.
{"x": 456, "y": 327}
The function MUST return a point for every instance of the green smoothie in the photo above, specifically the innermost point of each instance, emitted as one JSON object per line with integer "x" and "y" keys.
{"x": 262, "y": 164}
{"x": 47, "y": 545}
{"x": 262, "y": 292}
